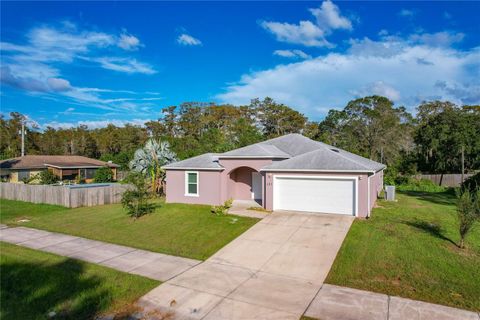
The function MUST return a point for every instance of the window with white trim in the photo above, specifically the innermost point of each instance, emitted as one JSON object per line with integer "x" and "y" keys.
{"x": 191, "y": 183}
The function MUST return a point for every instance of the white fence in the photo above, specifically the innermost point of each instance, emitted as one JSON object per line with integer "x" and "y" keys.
{"x": 85, "y": 196}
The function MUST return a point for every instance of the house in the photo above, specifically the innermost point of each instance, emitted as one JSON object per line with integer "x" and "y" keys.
{"x": 71, "y": 168}
{"x": 291, "y": 172}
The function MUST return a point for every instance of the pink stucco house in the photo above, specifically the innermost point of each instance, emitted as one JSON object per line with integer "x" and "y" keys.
{"x": 291, "y": 172}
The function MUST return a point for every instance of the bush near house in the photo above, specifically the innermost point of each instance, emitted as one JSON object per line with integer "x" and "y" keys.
{"x": 47, "y": 177}
{"x": 103, "y": 175}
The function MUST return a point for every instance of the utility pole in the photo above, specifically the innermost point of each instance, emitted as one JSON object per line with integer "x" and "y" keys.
{"x": 22, "y": 133}
{"x": 463, "y": 162}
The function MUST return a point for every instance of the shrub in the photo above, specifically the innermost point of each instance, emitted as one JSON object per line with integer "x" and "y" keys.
{"x": 222, "y": 209}
{"x": 47, "y": 177}
{"x": 471, "y": 184}
{"x": 137, "y": 200}
{"x": 468, "y": 211}
{"x": 103, "y": 174}
{"x": 423, "y": 185}
{"x": 43, "y": 177}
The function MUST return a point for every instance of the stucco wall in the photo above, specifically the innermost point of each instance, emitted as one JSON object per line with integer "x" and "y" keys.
{"x": 240, "y": 183}
{"x": 362, "y": 188}
{"x": 228, "y": 185}
{"x": 376, "y": 185}
{"x": 209, "y": 187}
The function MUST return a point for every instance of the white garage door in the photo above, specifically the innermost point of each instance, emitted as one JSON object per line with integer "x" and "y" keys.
{"x": 313, "y": 194}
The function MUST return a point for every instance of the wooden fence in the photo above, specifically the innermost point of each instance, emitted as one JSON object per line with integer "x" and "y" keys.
{"x": 71, "y": 197}
{"x": 446, "y": 180}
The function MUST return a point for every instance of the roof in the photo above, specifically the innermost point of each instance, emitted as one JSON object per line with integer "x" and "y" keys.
{"x": 208, "y": 161}
{"x": 257, "y": 150}
{"x": 297, "y": 151}
{"x": 42, "y": 161}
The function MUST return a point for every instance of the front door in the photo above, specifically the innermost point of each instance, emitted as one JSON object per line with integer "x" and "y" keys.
{"x": 256, "y": 186}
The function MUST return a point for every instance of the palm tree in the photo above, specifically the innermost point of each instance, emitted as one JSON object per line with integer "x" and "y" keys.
{"x": 150, "y": 159}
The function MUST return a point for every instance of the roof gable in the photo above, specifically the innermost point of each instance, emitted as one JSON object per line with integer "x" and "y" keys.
{"x": 207, "y": 161}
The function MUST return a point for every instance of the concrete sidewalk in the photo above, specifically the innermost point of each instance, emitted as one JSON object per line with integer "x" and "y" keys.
{"x": 333, "y": 302}
{"x": 145, "y": 263}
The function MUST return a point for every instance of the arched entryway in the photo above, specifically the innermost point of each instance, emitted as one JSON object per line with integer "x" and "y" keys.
{"x": 245, "y": 183}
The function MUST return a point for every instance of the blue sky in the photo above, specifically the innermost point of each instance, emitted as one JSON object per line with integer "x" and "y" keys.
{"x": 69, "y": 63}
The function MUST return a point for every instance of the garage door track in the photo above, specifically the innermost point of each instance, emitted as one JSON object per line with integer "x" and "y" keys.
{"x": 272, "y": 271}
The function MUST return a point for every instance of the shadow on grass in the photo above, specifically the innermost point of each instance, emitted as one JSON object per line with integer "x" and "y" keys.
{"x": 444, "y": 198}
{"x": 31, "y": 291}
{"x": 430, "y": 228}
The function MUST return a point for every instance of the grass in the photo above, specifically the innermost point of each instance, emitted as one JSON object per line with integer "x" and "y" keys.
{"x": 190, "y": 231}
{"x": 408, "y": 248}
{"x": 34, "y": 283}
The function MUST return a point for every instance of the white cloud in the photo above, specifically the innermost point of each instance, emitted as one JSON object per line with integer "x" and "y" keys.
{"x": 293, "y": 54}
{"x": 379, "y": 88}
{"x": 95, "y": 124}
{"x": 127, "y": 65}
{"x": 128, "y": 42}
{"x": 406, "y": 13}
{"x": 328, "y": 17}
{"x": 307, "y": 33}
{"x": 438, "y": 39}
{"x": 58, "y": 84}
{"x": 188, "y": 40}
{"x": 406, "y": 72}
{"x": 34, "y": 66}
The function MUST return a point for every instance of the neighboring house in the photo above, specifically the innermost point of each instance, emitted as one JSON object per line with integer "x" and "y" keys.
{"x": 71, "y": 168}
{"x": 291, "y": 172}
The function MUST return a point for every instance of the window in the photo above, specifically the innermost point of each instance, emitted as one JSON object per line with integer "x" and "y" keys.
{"x": 23, "y": 175}
{"x": 90, "y": 173}
{"x": 191, "y": 183}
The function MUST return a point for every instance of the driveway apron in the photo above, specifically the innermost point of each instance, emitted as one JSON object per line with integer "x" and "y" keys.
{"x": 272, "y": 271}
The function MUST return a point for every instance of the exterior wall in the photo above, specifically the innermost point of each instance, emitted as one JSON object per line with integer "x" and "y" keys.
{"x": 228, "y": 185}
{"x": 13, "y": 176}
{"x": 376, "y": 186}
{"x": 363, "y": 209}
{"x": 240, "y": 184}
{"x": 209, "y": 187}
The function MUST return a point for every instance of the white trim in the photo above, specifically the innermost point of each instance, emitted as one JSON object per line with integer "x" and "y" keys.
{"x": 186, "y": 184}
{"x": 193, "y": 168}
{"x": 354, "y": 178}
{"x": 314, "y": 170}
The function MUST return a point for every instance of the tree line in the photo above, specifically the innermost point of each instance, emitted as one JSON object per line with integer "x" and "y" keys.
{"x": 432, "y": 141}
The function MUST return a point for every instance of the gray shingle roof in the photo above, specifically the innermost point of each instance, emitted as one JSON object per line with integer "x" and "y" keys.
{"x": 257, "y": 150}
{"x": 204, "y": 161}
{"x": 299, "y": 152}
{"x": 322, "y": 159}
{"x": 294, "y": 144}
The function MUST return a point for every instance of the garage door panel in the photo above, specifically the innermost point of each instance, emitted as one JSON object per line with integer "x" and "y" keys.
{"x": 326, "y": 195}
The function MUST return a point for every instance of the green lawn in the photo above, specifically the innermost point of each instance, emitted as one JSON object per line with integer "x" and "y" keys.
{"x": 34, "y": 283}
{"x": 190, "y": 231}
{"x": 407, "y": 248}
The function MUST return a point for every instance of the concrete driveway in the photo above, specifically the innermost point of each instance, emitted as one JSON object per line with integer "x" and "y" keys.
{"x": 272, "y": 271}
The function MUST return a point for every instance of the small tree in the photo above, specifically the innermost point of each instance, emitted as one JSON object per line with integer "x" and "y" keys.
{"x": 137, "y": 200}
{"x": 47, "y": 177}
{"x": 103, "y": 174}
{"x": 468, "y": 211}
{"x": 150, "y": 159}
